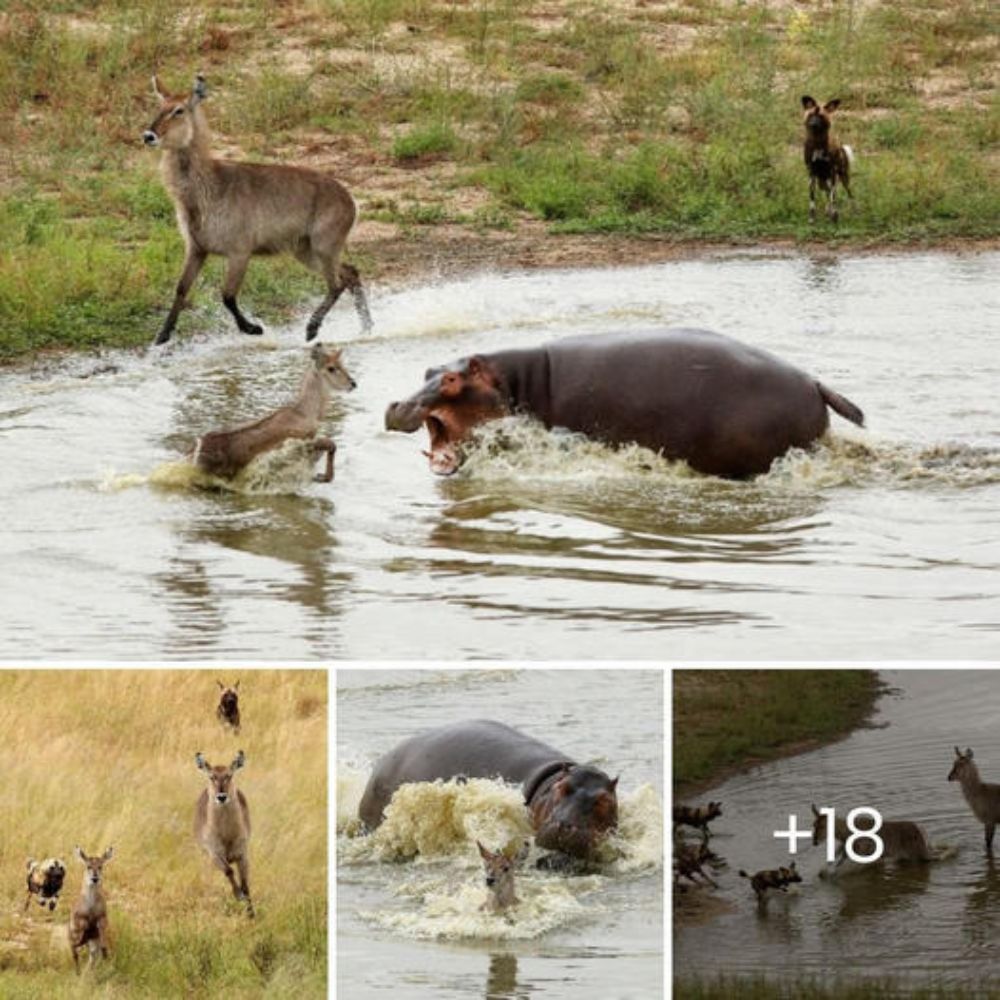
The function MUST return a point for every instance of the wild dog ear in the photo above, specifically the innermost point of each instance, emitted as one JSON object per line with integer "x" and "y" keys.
{"x": 808, "y": 103}
{"x": 318, "y": 354}
{"x": 958, "y": 753}
{"x": 968, "y": 753}
{"x": 222, "y": 687}
{"x": 815, "y": 810}
{"x": 201, "y": 763}
{"x": 198, "y": 92}
{"x": 108, "y": 854}
{"x": 158, "y": 89}
{"x": 791, "y": 866}
{"x": 31, "y": 863}
{"x": 238, "y": 761}
{"x": 832, "y": 105}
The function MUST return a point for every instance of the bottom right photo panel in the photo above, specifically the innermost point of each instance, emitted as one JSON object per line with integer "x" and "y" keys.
{"x": 833, "y": 833}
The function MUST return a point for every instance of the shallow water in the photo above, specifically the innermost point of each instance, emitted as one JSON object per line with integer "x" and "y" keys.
{"x": 882, "y": 543}
{"x": 408, "y": 898}
{"x": 938, "y": 921}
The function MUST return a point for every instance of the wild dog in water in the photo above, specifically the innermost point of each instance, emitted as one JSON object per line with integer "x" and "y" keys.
{"x": 45, "y": 880}
{"x": 772, "y": 878}
{"x": 983, "y": 798}
{"x": 904, "y": 840}
{"x": 499, "y": 869}
{"x": 228, "y": 711}
{"x": 688, "y": 861}
{"x": 826, "y": 159}
{"x": 224, "y": 453}
{"x": 697, "y": 816}
{"x": 88, "y": 924}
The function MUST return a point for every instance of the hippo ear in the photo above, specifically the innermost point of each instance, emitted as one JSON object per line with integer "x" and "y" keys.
{"x": 475, "y": 366}
{"x": 808, "y": 103}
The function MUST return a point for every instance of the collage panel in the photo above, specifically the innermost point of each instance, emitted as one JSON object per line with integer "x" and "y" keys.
{"x": 833, "y": 833}
{"x": 163, "y": 833}
{"x": 500, "y": 833}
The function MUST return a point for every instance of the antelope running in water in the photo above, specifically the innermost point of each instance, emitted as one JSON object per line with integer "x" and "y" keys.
{"x": 826, "y": 159}
{"x": 500, "y": 877}
{"x": 88, "y": 923}
{"x": 983, "y": 799}
{"x": 222, "y": 824}
{"x": 904, "y": 840}
{"x": 237, "y": 210}
{"x": 224, "y": 453}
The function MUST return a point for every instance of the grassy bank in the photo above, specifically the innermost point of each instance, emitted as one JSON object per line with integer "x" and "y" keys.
{"x": 750, "y": 988}
{"x": 673, "y": 120}
{"x": 728, "y": 719}
{"x": 101, "y": 758}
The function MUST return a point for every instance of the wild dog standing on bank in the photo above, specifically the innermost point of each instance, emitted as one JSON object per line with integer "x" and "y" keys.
{"x": 904, "y": 840}
{"x": 228, "y": 711}
{"x": 45, "y": 880}
{"x": 224, "y": 453}
{"x": 772, "y": 878}
{"x": 983, "y": 798}
{"x": 237, "y": 210}
{"x": 826, "y": 159}
{"x": 697, "y": 816}
{"x": 222, "y": 824}
{"x": 88, "y": 924}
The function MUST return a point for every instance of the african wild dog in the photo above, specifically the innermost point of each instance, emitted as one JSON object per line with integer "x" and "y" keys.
{"x": 688, "y": 862}
{"x": 238, "y": 210}
{"x": 983, "y": 798}
{"x": 772, "y": 878}
{"x": 222, "y": 824}
{"x": 697, "y": 816}
{"x": 499, "y": 868}
{"x": 88, "y": 924}
{"x": 228, "y": 711}
{"x": 826, "y": 159}
{"x": 45, "y": 880}
{"x": 903, "y": 839}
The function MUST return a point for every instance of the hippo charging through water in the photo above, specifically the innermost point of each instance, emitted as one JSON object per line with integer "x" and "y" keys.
{"x": 572, "y": 806}
{"x": 725, "y": 408}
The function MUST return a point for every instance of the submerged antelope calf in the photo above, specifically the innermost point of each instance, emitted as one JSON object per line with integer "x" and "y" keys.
{"x": 224, "y": 453}
{"x": 238, "y": 210}
{"x": 904, "y": 840}
{"x": 88, "y": 924}
{"x": 772, "y": 878}
{"x": 499, "y": 868}
{"x": 45, "y": 880}
{"x": 222, "y": 824}
{"x": 983, "y": 798}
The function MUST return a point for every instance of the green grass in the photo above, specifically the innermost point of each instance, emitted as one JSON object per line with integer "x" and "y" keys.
{"x": 757, "y": 988}
{"x": 725, "y": 719}
{"x": 604, "y": 122}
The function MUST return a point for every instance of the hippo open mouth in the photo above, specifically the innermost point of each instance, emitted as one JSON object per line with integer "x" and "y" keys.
{"x": 444, "y": 454}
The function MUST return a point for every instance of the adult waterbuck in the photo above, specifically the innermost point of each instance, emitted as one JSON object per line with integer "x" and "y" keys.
{"x": 88, "y": 923}
{"x": 237, "y": 210}
{"x": 224, "y": 453}
{"x": 903, "y": 839}
{"x": 983, "y": 798}
{"x": 827, "y": 161}
{"x": 222, "y": 824}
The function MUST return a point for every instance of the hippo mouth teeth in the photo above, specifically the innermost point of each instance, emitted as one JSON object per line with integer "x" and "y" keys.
{"x": 443, "y": 455}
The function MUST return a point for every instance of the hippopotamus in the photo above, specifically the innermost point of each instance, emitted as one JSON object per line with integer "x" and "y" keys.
{"x": 724, "y": 407}
{"x": 572, "y": 806}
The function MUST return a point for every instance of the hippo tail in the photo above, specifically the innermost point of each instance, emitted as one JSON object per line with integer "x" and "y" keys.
{"x": 841, "y": 405}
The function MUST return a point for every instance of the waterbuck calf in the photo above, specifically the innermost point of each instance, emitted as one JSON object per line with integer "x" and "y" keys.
{"x": 45, "y": 880}
{"x": 826, "y": 159}
{"x": 904, "y": 840}
{"x": 224, "y": 453}
{"x": 222, "y": 824}
{"x": 88, "y": 923}
{"x": 228, "y": 711}
{"x": 237, "y": 210}
{"x": 983, "y": 799}
{"x": 499, "y": 876}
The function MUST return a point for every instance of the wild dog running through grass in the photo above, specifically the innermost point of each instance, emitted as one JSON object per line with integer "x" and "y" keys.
{"x": 228, "y": 712}
{"x": 45, "y": 880}
{"x": 983, "y": 798}
{"x": 772, "y": 878}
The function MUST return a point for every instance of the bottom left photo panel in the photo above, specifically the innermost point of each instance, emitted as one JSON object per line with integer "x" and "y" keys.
{"x": 163, "y": 832}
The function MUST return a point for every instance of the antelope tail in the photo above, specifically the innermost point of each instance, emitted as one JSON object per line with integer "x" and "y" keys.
{"x": 841, "y": 405}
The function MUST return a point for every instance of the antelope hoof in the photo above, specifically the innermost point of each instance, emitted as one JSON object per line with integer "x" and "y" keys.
{"x": 162, "y": 337}
{"x": 311, "y": 332}
{"x": 322, "y": 477}
{"x": 252, "y": 329}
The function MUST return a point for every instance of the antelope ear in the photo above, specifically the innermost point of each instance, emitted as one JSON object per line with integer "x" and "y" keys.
{"x": 614, "y": 782}
{"x": 832, "y": 105}
{"x": 808, "y": 102}
{"x": 158, "y": 89}
{"x": 484, "y": 854}
{"x": 77, "y": 853}
{"x": 200, "y": 762}
{"x": 236, "y": 686}
{"x": 222, "y": 687}
{"x": 238, "y": 761}
{"x": 958, "y": 753}
{"x": 109, "y": 854}
{"x": 198, "y": 92}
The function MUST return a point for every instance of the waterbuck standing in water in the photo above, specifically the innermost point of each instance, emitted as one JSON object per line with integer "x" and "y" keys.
{"x": 222, "y": 824}
{"x": 903, "y": 839}
{"x": 237, "y": 210}
{"x": 983, "y": 798}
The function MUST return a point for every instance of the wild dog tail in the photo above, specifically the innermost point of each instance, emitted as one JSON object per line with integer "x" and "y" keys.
{"x": 841, "y": 405}
{"x": 743, "y": 874}
{"x": 849, "y": 152}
